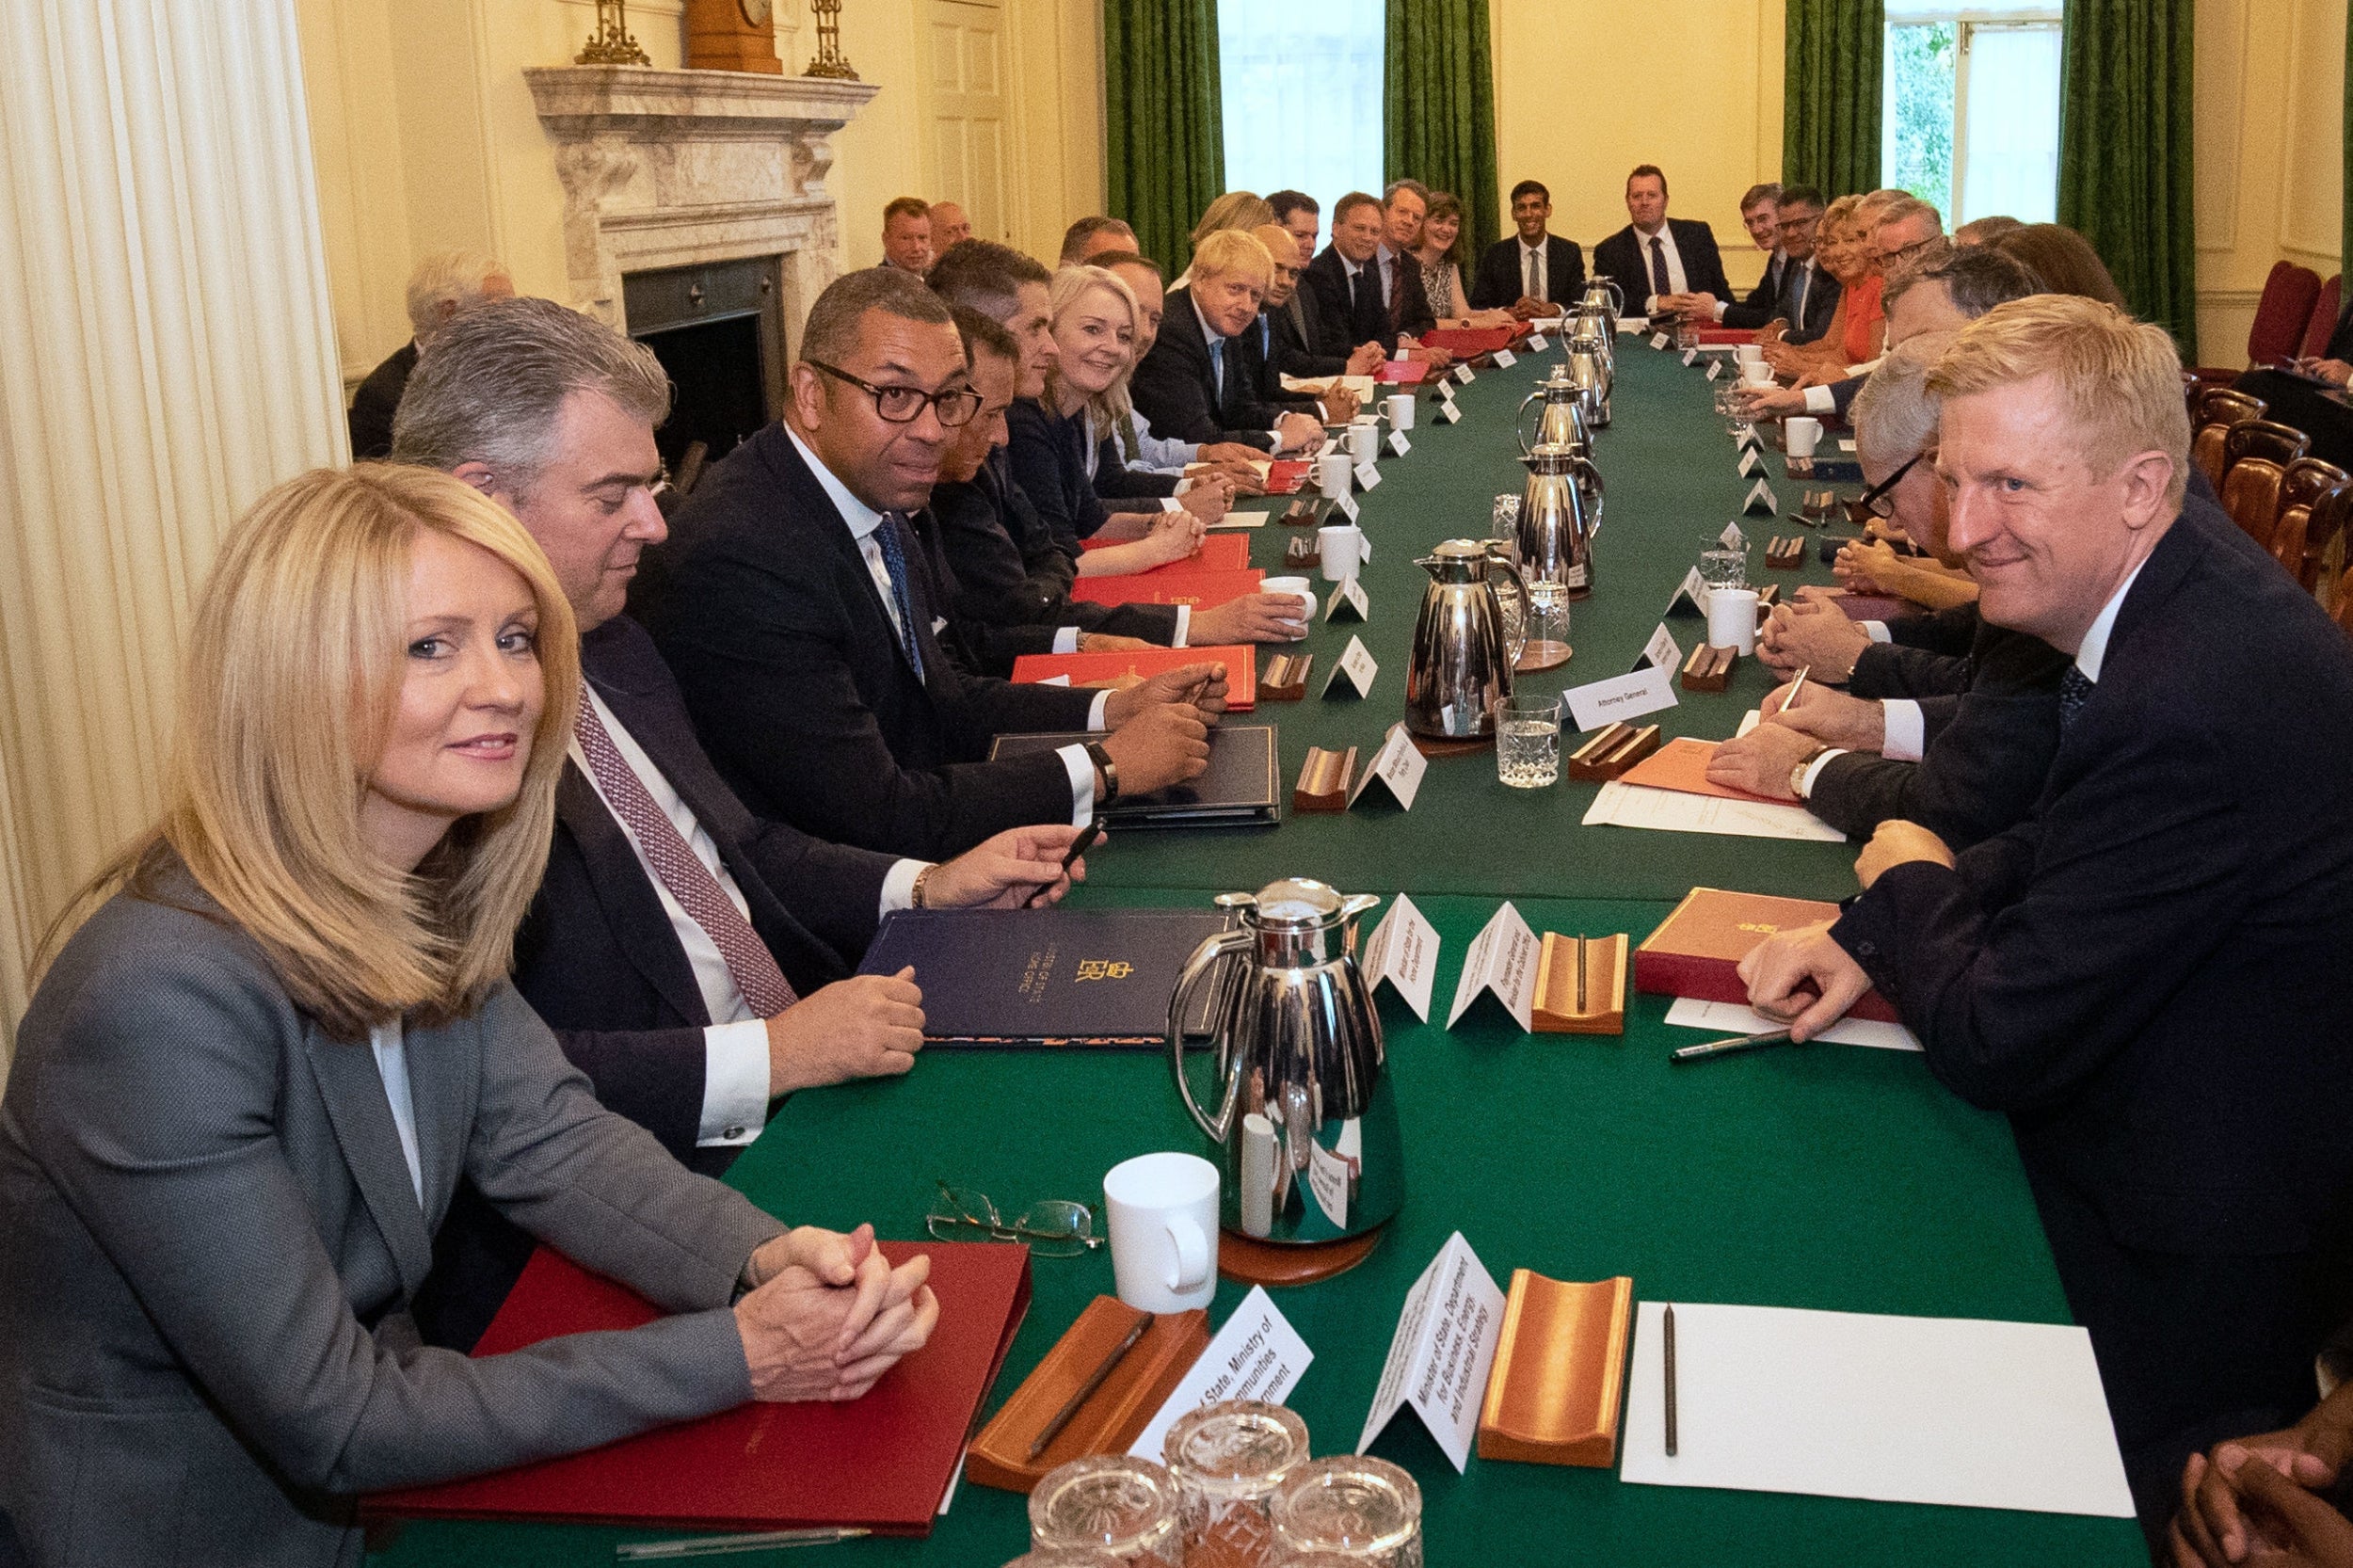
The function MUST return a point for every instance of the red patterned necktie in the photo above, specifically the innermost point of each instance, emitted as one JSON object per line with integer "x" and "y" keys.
{"x": 690, "y": 882}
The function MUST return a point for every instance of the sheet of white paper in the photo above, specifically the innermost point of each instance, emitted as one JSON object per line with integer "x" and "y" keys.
{"x": 1844, "y": 445}
{"x": 1443, "y": 1349}
{"x": 1502, "y": 959}
{"x": 1957, "y": 1411}
{"x": 1361, "y": 385}
{"x": 1256, "y": 1355}
{"x": 1749, "y": 721}
{"x": 1241, "y": 519}
{"x": 1623, "y": 804}
{"x": 1622, "y": 696}
{"x": 1403, "y": 951}
{"x": 1730, "y": 1018}
{"x": 1054, "y": 681}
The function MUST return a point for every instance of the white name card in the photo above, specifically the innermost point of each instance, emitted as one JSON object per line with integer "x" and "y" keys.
{"x": 1397, "y": 767}
{"x": 1367, "y": 476}
{"x": 1536, "y": 344}
{"x": 1622, "y": 696}
{"x": 1658, "y": 339}
{"x": 1661, "y": 651}
{"x": 1351, "y": 594}
{"x": 1732, "y": 538}
{"x": 1501, "y": 963}
{"x": 1761, "y": 502}
{"x": 1690, "y": 355}
{"x": 1256, "y": 1355}
{"x": 1745, "y": 435}
{"x": 1506, "y": 359}
{"x": 1450, "y": 413}
{"x": 1403, "y": 951}
{"x": 1692, "y": 590}
{"x": 1748, "y": 461}
{"x": 1462, "y": 374}
{"x": 1399, "y": 445}
{"x": 1442, "y": 1350}
{"x": 1715, "y": 369}
{"x": 1356, "y": 665}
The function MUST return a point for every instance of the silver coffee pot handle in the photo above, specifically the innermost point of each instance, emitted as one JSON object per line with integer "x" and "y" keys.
{"x": 1514, "y": 647}
{"x": 1198, "y": 968}
{"x": 1519, "y": 420}
{"x": 1583, "y": 470}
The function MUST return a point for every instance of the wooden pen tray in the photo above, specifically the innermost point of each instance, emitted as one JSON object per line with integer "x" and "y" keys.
{"x": 1555, "y": 1393}
{"x": 1112, "y": 1418}
{"x": 1580, "y": 985}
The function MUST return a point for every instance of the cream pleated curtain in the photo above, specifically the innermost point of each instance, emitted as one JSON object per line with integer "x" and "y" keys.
{"x": 166, "y": 353}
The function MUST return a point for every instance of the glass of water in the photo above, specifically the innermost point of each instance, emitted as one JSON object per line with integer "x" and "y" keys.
{"x": 1725, "y": 569}
{"x": 1527, "y": 741}
{"x": 1504, "y": 527}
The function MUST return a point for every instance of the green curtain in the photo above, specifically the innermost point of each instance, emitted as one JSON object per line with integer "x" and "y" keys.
{"x": 1164, "y": 141}
{"x": 1830, "y": 94}
{"x": 1438, "y": 107}
{"x": 2125, "y": 153}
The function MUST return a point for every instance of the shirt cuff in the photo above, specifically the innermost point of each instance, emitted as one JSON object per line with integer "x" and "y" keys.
{"x": 1066, "y": 639}
{"x": 1814, "y": 771}
{"x": 735, "y": 1085}
{"x": 898, "y": 888}
{"x": 1907, "y": 731}
{"x": 1818, "y": 401}
{"x": 1081, "y": 767}
{"x": 1720, "y": 309}
{"x": 1170, "y": 503}
{"x": 1095, "y": 719}
{"x": 1877, "y": 630}
{"x": 1184, "y": 628}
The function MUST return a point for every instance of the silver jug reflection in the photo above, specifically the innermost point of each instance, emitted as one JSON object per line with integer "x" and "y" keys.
{"x": 1591, "y": 378}
{"x": 1603, "y": 294}
{"x": 1462, "y": 651}
{"x": 1559, "y": 517}
{"x": 1560, "y": 416}
{"x": 1596, "y": 321}
{"x": 1305, "y": 1124}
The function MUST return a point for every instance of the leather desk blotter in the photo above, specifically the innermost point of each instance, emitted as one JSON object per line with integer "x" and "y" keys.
{"x": 1142, "y": 664}
{"x": 1555, "y": 1393}
{"x": 1114, "y": 1415}
{"x": 1180, "y": 584}
{"x": 1696, "y": 950}
{"x": 1218, "y": 552}
{"x": 883, "y": 1461}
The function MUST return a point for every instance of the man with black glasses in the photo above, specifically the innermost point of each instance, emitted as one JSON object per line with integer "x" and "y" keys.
{"x": 799, "y": 609}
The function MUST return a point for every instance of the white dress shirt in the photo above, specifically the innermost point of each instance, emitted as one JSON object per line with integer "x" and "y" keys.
{"x": 392, "y": 1064}
{"x": 2094, "y": 652}
{"x": 1770, "y": 260}
{"x": 862, "y": 521}
{"x": 1676, "y": 282}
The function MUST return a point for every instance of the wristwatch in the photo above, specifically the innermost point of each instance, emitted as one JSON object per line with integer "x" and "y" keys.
{"x": 1108, "y": 769}
{"x": 1797, "y": 774}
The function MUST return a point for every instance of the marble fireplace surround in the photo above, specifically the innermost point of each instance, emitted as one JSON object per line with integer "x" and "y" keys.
{"x": 670, "y": 169}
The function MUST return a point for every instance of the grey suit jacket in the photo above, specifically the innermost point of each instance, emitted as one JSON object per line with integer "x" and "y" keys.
{"x": 208, "y": 1241}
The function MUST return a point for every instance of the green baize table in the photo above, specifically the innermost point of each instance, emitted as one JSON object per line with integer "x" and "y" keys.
{"x": 1831, "y": 1176}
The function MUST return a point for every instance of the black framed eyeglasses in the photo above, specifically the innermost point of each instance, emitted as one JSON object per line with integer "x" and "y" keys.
{"x": 954, "y": 405}
{"x": 1880, "y": 500}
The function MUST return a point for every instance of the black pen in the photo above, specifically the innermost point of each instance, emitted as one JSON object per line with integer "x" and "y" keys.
{"x": 1086, "y": 841}
{"x": 1668, "y": 1318}
{"x": 1732, "y": 1046}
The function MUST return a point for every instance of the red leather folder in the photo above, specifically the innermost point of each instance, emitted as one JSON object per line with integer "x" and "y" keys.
{"x": 1466, "y": 342}
{"x": 1240, "y": 661}
{"x": 1286, "y": 475}
{"x": 1218, "y": 552}
{"x": 1178, "y": 584}
{"x": 883, "y": 1461}
{"x": 1726, "y": 334}
{"x": 1411, "y": 374}
{"x": 1696, "y": 950}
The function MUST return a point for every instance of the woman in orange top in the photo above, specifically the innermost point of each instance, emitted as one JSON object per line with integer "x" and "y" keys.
{"x": 1858, "y": 328}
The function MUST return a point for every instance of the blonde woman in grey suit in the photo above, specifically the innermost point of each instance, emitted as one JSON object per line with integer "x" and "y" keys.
{"x": 249, "y": 1082}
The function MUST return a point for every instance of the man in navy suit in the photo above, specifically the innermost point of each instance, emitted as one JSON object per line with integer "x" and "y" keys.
{"x": 1795, "y": 289}
{"x": 1533, "y": 271}
{"x": 644, "y": 978}
{"x": 2147, "y": 975}
{"x": 1656, "y": 260}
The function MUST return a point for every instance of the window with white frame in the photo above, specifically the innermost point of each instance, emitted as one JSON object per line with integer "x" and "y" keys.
{"x": 1970, "y": 109}
{"x": 1300, "y": 91}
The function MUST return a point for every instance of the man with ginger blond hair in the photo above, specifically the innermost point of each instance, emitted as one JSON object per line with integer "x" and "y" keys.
{"x": 2146, "y": 975}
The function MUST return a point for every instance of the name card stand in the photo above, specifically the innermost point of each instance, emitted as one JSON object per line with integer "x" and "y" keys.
{"x": 1709, "y": 669}
{"x": 1769, "y": 596}
{"x": 1286, "y": 678}
{"x": 1786, "y": 554}
{"x": 1305, "y": 513}
{"x": 1612, "y": 751}
{"x": 1761, "y": 502}
{"x": 1580, "y": 985}
{"x": 1325, "y": 779}
{"x": 1302, "y": 554}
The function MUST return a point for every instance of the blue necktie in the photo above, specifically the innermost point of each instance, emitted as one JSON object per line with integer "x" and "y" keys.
{"x": 895, "y": 562}
{"x": 2076, "y": 689}
{"x": 1217, "y": 367}
{"x": 1266, "y": 335}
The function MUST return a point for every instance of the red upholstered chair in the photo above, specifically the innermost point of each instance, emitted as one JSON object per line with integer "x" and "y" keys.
{"x": 2284, "y": 313}
{"x": 2324, "y": 323}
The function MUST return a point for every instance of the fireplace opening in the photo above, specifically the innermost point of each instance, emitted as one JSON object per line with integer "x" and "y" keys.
{"x": 719, "y": 331}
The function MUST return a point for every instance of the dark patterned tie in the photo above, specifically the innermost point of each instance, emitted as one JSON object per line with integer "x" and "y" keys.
{"x": 2076, "y": 689}
{"x": 766, "y": 989}
{"x": 895, "y": 562}
{"x": 1535, "y": 286}
{"x": 1659, "y": 266}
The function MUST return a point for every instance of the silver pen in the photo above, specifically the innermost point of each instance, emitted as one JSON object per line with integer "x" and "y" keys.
{"x": 1795, "y": 687}
{"x": 720, "y": 1545}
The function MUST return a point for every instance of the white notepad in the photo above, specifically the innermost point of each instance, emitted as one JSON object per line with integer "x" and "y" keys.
{"x": 1622, "y": 805}
{"x": 1957, "y": 1411}
{"x": 1730, "y": 1018}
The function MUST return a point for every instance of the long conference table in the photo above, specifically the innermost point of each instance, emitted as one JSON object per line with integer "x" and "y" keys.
{"x": 1831, "y": 1177}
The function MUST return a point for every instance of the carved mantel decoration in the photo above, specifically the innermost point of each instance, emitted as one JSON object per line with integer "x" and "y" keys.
{"x": 665, "y": 169}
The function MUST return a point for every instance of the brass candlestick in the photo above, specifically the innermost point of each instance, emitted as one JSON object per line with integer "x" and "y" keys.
{"x": 611, "y": 44}
{"x": 831, "y": 61}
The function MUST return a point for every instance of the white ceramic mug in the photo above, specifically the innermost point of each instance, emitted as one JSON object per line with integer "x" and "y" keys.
{"x": 1732, "y": 618}
{"x": 1400, "y": 410}
{"x": 1801, "y": 435}
{"x": 1162, "y": 1215}
{"x": 1756, "y": 373}
{"x": 1364, "y": 441}
{"x": 1299, "y": 586}
{"x": 1750, "y": 353}
{"x": 1332, "y": 474}
{"x": 1342, "y": 546}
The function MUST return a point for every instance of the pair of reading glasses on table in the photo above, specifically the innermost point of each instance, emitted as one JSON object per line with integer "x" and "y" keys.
{"x": 1054, "y": 1227}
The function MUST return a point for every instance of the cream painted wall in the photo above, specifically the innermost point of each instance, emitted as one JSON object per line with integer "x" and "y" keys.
{"x": 426, "y": 138}
{"x": 1577, "y": 107}
{"x": 2269, "y": 151}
